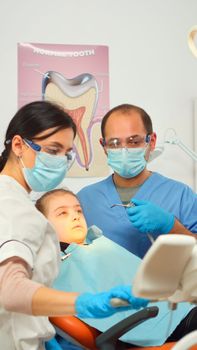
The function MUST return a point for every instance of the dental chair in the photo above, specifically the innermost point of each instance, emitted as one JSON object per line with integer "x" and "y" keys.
{"x": 167, "y": 272}
{"x": 79, "y": 333}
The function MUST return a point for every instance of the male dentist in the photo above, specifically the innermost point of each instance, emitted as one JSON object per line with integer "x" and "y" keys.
{"x": 161, "y": 205}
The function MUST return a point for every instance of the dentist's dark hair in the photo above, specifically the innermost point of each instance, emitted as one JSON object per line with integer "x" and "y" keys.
{"x": 32, "y": 119}
{"x": 127, "y": 109}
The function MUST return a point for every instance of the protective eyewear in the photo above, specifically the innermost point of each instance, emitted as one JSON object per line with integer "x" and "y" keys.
{"x": 70, "y": 155}
{"x": 130, "y": 142}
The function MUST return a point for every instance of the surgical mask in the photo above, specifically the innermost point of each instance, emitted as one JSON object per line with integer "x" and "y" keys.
{"x": 48, "y": 171}
{"x": 127, "y": 162}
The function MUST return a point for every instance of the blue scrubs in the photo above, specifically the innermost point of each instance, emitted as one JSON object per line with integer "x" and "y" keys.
{"x": 171, "y": 195}
{"x": 102, "y": 265}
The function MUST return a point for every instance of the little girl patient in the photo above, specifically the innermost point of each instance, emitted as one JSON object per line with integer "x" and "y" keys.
{"x": 93, "y": 263}
{"x": 89, "y": 252}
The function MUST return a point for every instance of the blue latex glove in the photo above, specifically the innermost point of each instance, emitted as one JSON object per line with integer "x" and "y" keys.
{"x": 148, "y": 217}
{"x": 52, "y": 344}
{"x": 98, "y": 305}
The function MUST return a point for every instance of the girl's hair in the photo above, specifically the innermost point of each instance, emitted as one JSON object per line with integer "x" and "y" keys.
{"x": 32, "y": 119}
{"x": 41, "y": 203}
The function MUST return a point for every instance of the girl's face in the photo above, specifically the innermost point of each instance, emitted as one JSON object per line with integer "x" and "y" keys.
{"x": 65, "y": 214}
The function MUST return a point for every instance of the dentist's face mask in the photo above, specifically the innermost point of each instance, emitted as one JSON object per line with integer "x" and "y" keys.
{"x": 48, "y": 171}
{"x": 127, "y": 161}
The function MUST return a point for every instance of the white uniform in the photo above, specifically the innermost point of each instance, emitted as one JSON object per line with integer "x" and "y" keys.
{"x": 25, "y": 233}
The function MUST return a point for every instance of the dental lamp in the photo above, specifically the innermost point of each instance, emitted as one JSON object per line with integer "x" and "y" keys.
{"x": 169, "y": 272}
{"x": 171, "y": 138}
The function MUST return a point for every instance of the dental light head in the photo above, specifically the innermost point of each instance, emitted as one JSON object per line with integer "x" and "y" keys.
{"x": 162, "y": 277}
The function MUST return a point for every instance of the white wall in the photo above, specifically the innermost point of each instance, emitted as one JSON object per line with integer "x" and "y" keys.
{"x": 150, "y": 62}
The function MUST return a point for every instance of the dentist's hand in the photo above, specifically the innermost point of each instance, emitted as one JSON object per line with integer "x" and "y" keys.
{"x": 99, "y": 305}
{"x": 149, "y": 218}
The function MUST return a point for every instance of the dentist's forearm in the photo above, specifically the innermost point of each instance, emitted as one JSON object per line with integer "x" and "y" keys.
{"x": 178, "y": 228}
{"x": 51, "y": 302}
{"x": 18, "y": 293}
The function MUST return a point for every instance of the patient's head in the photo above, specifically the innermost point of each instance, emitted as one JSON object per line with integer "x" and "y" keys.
{"x": 63, "y": 210}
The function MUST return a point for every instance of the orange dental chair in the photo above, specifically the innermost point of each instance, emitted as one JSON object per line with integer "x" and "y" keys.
{"x": 90, "y": 338}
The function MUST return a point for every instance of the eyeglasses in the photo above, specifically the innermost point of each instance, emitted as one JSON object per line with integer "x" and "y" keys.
{"x": 55, "y": 151}
{"x": 130, "y": 142}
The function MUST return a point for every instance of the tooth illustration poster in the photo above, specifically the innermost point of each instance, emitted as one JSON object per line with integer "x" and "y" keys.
{"x": 77, "y": 78}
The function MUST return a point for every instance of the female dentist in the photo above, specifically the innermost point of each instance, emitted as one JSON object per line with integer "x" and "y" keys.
{"x": 37, "y": 154}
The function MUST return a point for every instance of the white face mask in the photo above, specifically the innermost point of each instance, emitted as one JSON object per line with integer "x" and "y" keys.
{"x": 127, "y": 162}
{"x": 48, "y": 171}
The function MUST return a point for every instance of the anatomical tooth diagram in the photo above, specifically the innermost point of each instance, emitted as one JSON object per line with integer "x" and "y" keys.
{"x": 79, "y": 97}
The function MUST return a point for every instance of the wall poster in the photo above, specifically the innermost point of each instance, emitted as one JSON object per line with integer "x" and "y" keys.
{"x": 76, "y": 77}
